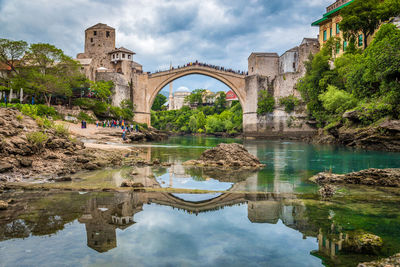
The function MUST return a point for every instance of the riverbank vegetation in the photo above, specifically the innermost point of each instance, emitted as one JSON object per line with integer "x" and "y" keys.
{"x": 365, "y": 82}
{"x": 216, "y": 118}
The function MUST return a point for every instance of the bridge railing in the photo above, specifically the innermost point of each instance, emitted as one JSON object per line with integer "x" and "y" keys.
{"x": 200, "y": 64}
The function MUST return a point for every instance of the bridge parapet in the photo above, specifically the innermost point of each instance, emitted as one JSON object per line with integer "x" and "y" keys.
{"x": 219, "y": 70}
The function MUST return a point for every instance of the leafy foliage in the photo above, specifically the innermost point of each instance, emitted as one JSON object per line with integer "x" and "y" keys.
{"x": 37, "y": 138}
{"x": 159, "y": 102}
{"x": 266, "y": 103}
{"x": 289, "y": 102}
{"x": 199, "y": 120}
{"x": 368, "y": 80}
{"x": 337, "y": 101}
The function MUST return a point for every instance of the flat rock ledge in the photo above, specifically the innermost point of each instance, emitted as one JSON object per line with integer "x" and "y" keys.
{"x": 393, "y": 261}
{"x": 227, "y": 156}
{"x": 374, "y": 177}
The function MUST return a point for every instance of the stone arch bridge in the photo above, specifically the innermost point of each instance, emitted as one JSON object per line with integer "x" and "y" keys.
{"x": 147, "y": 86}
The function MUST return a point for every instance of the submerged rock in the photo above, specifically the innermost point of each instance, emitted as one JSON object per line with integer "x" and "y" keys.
{"x": 392, "y": 261}
{"x": 3, "y": 205}
{"x": 327, "y": 191}
{"x": 130, "y": 183}
{"x": 375, "y": 177}
{"x": 227, "y": 155}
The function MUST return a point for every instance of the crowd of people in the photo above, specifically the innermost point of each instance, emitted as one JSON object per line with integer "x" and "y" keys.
{"x": 196, "y": 63}
{"x": 125, "y": 127}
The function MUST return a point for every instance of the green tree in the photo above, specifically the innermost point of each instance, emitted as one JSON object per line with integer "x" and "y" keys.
{"x": 11, "y": 52}
{"x": 196, "y": 97}
{"x": 220, "y": 102}
{"x": 360, "y": 16}
{"x": 102, "y": 89}
{"x": 159, "y": 101}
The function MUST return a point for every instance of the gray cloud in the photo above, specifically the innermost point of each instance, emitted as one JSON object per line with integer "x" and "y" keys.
{"x": 222, "y": 32}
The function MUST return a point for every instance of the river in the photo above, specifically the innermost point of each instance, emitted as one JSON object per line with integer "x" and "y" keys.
{"x": 272, "y": 217}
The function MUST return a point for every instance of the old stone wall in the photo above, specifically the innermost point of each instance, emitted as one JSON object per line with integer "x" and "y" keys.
{"x": 121, "y": 90}
{"x": 289, "y": 70}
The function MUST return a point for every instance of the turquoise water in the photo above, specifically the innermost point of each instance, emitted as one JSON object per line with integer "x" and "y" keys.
{"x": 268, "y": 218}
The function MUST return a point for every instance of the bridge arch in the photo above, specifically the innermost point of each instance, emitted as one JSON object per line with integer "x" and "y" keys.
{"x": 147, "y": 86}
{"x": 204, "y": 72}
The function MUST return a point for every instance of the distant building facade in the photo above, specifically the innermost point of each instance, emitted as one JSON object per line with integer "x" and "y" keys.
{"x": 178, "y": 100}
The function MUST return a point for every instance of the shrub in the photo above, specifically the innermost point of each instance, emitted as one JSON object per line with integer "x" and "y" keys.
{"x": 37, "y": 138}
{"x": 337, "y": 101}
{"x": 289, "y": 102}
{"x": 372, "y": 112}
{"x": 82, "y": 116}
{"x": 85, "y": 103}
{"x": 29, "y": 110}
{"x": 44, "y": 110}
{"x": 266, "y": 103}
{"x": 20, "y": 117}
{"x": 61, "y": 130}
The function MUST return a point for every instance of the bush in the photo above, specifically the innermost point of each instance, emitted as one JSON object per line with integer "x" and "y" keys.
{"x": 37, "y": 138}
{"x": 61, "y": 130}
{"x": 289, "y": 102}
{"x": 20, "y": 117}
{"x": 372, "y": 112}
{"x": 29, "y": 110}
{"x": 337, "y": 101}
{"x": 266, "y": 103}
{"x": 44, "y": 110}
{"x": 85, "y": 103}
{"x": 82, "y": 116}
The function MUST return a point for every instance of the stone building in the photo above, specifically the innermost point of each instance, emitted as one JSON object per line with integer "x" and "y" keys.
{"x": 178, "y": 100}
{"x": 102, "y": 60}
{"x": 329, "y": 27}
{"x": 279, "y": 75}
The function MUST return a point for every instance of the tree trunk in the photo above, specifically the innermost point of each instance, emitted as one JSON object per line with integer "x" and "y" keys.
{"x": 365, "y": 40}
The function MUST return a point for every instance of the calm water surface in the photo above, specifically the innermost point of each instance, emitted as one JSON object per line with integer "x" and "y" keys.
{"x": 270, "y": 218}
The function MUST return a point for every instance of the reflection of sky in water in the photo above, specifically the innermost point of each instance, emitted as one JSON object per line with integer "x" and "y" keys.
{"x": 163, "y": 236}
{"x": 190, "y": 183}
{"x": 197, "y": 197}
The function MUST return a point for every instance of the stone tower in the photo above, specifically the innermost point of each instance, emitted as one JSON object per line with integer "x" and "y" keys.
{"x": 99, "y": 39}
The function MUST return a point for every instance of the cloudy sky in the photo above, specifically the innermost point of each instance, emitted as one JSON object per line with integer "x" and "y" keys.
{"x": 220, "y": 32}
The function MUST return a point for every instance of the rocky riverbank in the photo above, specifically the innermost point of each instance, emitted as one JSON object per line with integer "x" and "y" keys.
{"x": 383, "y": 136}
{"x": 372, "y": 177}
{"x": 32, "y": 150}
{"x": 393, "y": 261}
{"x": 227, "y": 156}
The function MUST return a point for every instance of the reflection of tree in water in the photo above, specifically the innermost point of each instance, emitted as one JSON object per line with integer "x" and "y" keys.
{"x": 158, "y": 171}
{"x": 222, "y": 175}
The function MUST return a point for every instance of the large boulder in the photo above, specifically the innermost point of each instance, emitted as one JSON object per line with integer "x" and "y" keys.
{"x": 362, "y": 242}
{"x": 5, "y": 167}
{"x": 375, "y": 177}
{"x": 227, "y": 155}
{"x": 392, "y": 261}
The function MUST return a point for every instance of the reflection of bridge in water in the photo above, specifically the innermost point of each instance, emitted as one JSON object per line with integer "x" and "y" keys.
{"x": 103, "y": 215}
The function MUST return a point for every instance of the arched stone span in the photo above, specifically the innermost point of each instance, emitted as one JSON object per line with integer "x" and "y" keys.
{"x": 152, "y": 84}
{"x": 216, "y": 76}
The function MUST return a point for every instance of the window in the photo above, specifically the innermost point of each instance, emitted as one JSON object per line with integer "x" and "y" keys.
{"x": 129, "y": 56}
{"x": 337, "y": 28}
{"x": 94, "y": 33}
{"x": 91, "y": 40}
{"x": 114, "y": 56}
{"x": 325, "y": 35}
{"x": 107, "y": 34}
{"x": 337, "y": 48}
{"x": 344, "y": 46}
{"x": 294, "y": 65}
{"x": 360, "y": 40}
{"x": 330, "y": 32}
{"x": 123, "y": 55}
